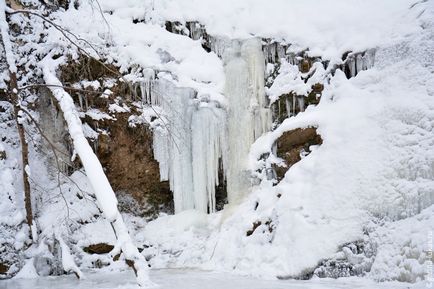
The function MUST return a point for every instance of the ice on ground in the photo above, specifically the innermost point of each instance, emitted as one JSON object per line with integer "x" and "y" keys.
{"x": 189, "y": 279}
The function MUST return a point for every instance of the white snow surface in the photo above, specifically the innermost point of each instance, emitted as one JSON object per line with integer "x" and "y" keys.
{"x": 191, "y": 279}
{"x": 327, "y": 28}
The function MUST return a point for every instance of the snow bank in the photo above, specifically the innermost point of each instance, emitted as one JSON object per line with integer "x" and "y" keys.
{"x": 404, "y": 250}
{"x": 326, "y": 28}
{"x": 28, "y": 271}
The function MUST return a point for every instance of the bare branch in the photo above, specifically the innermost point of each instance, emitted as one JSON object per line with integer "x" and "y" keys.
{"x": 64, "y": 87}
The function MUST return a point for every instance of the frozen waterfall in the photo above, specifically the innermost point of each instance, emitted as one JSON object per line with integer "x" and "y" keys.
{"x": 248, "y": 116}
{"x": 195, "y": 140}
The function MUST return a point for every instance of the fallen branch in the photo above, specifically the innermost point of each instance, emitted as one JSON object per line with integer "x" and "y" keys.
{"x": 103, "y": 191}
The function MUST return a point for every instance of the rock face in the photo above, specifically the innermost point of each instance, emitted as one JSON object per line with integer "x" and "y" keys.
{"x": 293, "y": 145}
{"x": 125, "y": 152}
{"x": 126, "y": 155}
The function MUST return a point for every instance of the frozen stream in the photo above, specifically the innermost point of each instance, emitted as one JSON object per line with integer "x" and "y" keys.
{"x": 188, "y": 279}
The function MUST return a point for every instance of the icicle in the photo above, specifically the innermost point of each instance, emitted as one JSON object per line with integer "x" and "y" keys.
{"x": 352, "y": 66}
{"x": 198, "y": 137}
{"x": 359, "y": 63}
{"x": 219, "y": 45}
{"x": 172, "y": 141}
{"x": 300, "y": 101}
{"x": 161, "y": 151}
{"x": 368, "y": 59}
{"x": 146, "y": 86}
{"x": 288, "y": 106}
{"x": 80, "y": 101}
{"x": 196, "y": 30}
{"x": 208, "y": 139}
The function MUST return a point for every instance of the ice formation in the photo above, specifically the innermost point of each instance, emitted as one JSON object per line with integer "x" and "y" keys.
{"x": 247, "y": 117}
{"x": 195, "y": 139}
{"x": 357, "y": 62}
{"x": 188, "y": 144}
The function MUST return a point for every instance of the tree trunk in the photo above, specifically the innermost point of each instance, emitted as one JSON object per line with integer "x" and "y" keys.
{"x": 13, "y": 98}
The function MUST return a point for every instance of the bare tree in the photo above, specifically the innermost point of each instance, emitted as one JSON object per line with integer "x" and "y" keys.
{"x": 12, "y": 95}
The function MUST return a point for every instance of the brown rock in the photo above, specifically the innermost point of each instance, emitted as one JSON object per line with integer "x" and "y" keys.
{"x": 2, "y": 155}
{"x": 127, "y": 157}
{"x": 305, "y": 66}
{"x": 3, "y": 268}
{"x": 291, "y": 144}
{"x": 100, "y": 248}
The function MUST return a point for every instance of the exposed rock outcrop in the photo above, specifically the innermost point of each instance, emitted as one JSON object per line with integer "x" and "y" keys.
{"x": 293, "y": 145}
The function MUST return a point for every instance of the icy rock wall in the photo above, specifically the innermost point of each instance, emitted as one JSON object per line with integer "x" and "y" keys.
{"x": 195, "y": 139}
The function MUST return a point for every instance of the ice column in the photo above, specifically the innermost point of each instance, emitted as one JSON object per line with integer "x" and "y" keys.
{"x": 248, "y": 116}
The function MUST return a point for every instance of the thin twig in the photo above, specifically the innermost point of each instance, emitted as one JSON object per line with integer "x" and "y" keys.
{"x": 64, "y": 87}
{"x": 64, "y": 33}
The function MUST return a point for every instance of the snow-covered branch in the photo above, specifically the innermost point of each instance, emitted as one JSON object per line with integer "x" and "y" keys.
{"x": 4, "y": 29}
{"x": 103, "y": 191}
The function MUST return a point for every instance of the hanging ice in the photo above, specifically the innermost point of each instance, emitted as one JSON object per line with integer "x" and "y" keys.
{"x": 209, "y": 146}
{"x": 172, "y": 140}
{"x": 248, "y": 116}
{"x": 188, "y": 145}
{"x": 195, "y": 138}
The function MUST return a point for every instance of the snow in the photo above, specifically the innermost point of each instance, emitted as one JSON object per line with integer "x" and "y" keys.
{"x": 326, "y": 29}
{"x": 89, "y": 132}
{"x": 149, "y": 46}
{"x": 115, "y": 107}
{"x": 68, "y": 262}
{"x": 28, "y": 271}
{"x": 190, "y": 279}
{"x": 289, "y": 80}
{"x": 96, "y": 114}
{"x": 93, "y": 84}
{"x": 405, "y": 249}
{"x": 6, "y": 42}
{"x": 101, "y": 187}
{"x": 372, "y": 178}
{"x": 375, "y": 165}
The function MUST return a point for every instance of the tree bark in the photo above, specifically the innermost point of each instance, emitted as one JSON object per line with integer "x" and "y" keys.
{"x": 13, "y": 98}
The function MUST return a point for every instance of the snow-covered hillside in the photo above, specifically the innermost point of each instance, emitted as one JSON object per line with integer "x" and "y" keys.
{"x": 296, "y": 138}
